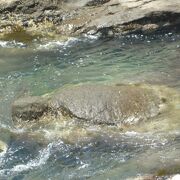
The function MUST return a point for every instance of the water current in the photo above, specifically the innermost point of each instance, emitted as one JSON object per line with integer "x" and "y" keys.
{"x": 42, "y": 67}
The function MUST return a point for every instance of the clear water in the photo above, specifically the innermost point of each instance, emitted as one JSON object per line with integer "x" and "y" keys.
{"x": 108, "y": 154}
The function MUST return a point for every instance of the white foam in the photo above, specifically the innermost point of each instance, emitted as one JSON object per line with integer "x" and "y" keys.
{"x": 56, "y": 44}
{"x": 68, "y": 43}
{"x": 176, "y": 177}
{"x": 83, "y": 165}
{"x": 41, "y": 159}
{"x": 11, "y": 44}
{"x": 91, "y": 37}
{"x": 131, "y": 133}
{"x": 132, "y": 120}
{"x": 3, "y": 43}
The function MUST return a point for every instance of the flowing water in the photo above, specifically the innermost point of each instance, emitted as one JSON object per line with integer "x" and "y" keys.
{"x": 69, "y": 153}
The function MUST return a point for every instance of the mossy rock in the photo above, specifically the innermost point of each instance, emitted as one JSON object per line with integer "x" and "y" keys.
{"x": 19, "y": 34}
{"x": 169, "y": 170}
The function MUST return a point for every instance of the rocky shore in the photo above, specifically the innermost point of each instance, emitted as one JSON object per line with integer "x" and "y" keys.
{"x": 27, "y": 20}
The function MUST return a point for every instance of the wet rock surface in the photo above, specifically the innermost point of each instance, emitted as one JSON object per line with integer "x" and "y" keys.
{"x": 110, "y": 105}
{"x": 94, "y": 17}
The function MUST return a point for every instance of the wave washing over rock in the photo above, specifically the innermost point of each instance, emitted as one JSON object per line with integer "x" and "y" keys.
{"x": 67, "y": 42}
{"x": 99, "y": 104}
{"x": 11, "y": 44}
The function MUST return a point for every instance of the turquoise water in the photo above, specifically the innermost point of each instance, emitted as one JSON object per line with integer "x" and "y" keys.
{"x": 44, "y": 66}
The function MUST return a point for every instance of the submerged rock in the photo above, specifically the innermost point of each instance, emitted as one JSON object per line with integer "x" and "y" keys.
{"x": 96, "y": 104}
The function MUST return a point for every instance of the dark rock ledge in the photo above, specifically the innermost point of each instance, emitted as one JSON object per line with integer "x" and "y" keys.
{"x": 94, "y": 17}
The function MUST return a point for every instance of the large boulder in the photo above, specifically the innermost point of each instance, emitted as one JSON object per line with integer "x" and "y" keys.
{"x": 96, "y": 104}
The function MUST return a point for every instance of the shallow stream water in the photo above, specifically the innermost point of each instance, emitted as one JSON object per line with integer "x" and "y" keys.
{"x": 42, "y": 67}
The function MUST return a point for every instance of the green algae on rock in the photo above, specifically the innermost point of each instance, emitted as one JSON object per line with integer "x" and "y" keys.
{"x": 169, "y": 170}
{"x": 19, "y": 34}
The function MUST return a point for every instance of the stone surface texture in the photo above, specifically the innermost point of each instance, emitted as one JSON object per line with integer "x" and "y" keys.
{"x": 94, "y": 17}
